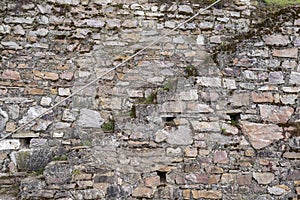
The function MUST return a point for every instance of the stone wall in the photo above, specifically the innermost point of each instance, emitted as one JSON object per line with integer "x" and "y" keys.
{"x": 210, "y": 112}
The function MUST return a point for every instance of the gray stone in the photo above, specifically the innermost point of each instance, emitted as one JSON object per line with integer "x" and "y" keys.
{"x": 288, "y": 99}
{"x": 32, "y": 159}
{"x": 10, "y": 144}
{"x": 161, "y": 135}
{"x": 11, "y": 45}
{"x": 64, "y": 92}
{"x": 39, "y": 124}
{"x": 185, "y": 9}
{"x": 5, "y": 29}
{"x": 240, "y": 99}
{"x": 206, "y": 126}
{"x": 113, "y": 23}
{"x": 180, "y": 136}
{"x": 275, "y": 114}
{"x": 278, "y": 189}
{"x": 18, "y": 30}
{"x": 173, "y": 107}
{"x": 209, "y": 81}
{"x": 206, "y": 25}
{"x": 46, "y": 101}
{"x": 261, "y": 135}
{"x": 3, "y": 119}
{"x": 19, "y": 20}
{"x": 294, "y": 78}
{"x": 189, "y": 96}
{"x": 198, "y": 108}
{"x": 90, "y": 118}
{"x": 58, "y": 173}
{"x": 277, "y": 40}
{"x": 68, "y": 2}
{"x": 200, "y": 40}
{"x": 68, "y": 115}
{"x": 13, "y": 111}
{"x": 286, "y": 53}
{"x": 263, "y": 178}
{"x": 276, "y": 78}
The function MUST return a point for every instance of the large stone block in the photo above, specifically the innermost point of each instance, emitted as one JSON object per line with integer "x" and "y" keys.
{"x": 275, "y": 114}
{"x": 294, "y": 78}
{"x": 206, "y": 126}
{"x": 277, "y": 40}
{"x": 11, "y": 144}
{"x": 180, "y": 136}
{"x": 286, "y": 53}
{"x": 261, "y": 135}
{"x": 90, "y": 119}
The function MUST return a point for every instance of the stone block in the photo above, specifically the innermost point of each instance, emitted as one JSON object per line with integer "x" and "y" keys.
{"x": 206, "y": 126}
{"x": 180, "y": 136}
{"x": 264, "y": 97}
{"x": 294, "y": 78}
{"x": 240, "y": 99}
{"x": 142, "y": 192}
{"x": 286, "y": 53}
{"x": 152, "y": 181}
{"x": 275, "y": 114}
{"x": 261, "y": 135}
{"x": 221, "y": 157}
{"x": 276, "y": 78}
{"x": 207, "y": 194}
{"x": 173, "y": 107}
{"x": 277, "y": 40}
{"x": 189, "y": 95}
{"x": 196, "y": 178}
{"x": 11, "y": 75}
{"x": 264, "y": 178}
{"x": 90, "y": 119}
{"x": 209, "y": 81}
{"x": 9, "y": 144}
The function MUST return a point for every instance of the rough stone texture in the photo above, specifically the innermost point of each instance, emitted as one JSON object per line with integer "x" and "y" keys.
{"x": 209, "y": 112}
{"x": 261, "y": 135}
{"x": 275, "y": 114}
{"x": 263, "y": 178}
{"x": 90, "y": 118}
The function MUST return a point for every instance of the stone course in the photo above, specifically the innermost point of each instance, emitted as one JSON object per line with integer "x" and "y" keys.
{"x": 210, "y": 112}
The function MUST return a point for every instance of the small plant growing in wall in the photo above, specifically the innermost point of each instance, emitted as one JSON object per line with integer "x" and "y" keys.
{"x": 151, "y": 99}
{"x": 190, "y": 71}
{"x": 109, "y": 126}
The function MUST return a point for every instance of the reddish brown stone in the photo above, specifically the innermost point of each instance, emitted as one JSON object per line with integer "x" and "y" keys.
{"x": 197, "y": 178}
{"x": 276, "y": 114}
{"x": 11, "y": 75}
{"x": 261, "y": 135}
{"x": 278, "y": 40}
{"x": 142, "y": 192}
{"x": 214, "y": 179}
{"x": 286, "y": 53}
{"x": 297, "y": 22}
{"x": 291, "y": 155}
{"x": 207, "y": 194}
{"x": 264, "y": 97}
{"x": 221, "y": 157}
{"x": 244, "y": 179}
{"x": 46, "y": 75}
{"x": 35, "y": 91}
{"x": 186, "y": 194}
{"x": 152, "y": 181}
{"x": 190, "y": 152}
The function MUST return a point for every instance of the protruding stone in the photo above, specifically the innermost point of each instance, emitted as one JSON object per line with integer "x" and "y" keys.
{"x": 263, "y": 178}
{"x": 185, "y": 9}
{"x": 180, "y": 136}
{"x": 221, "y": 157}
{"x": 161, "y": 135}
{"x": 10, "y": 144}
{"x": 152, "y": 181}
{"x": 46, "y": 75}
{"x": 276, "y": 78}
{"x": 229, "y": 129}
{"x": 142, "y": 192}
{"x": 278, "y": 189}
{"x": 90, "y": 118}
{"x": 11, "y": 75}
{"x": 206, "y": 126}
{"x": 264, "y": 97}
{"x": 240, "y": 99}
{"x": 46, "y": 101}
{"x": 275, "y": 114}
{"x": 261, "y": 135}
{"x": 189, "y": 96}
{"x": 277, "y": 40}
{"x": 3, "y": 119}
{"x": 294, "y": 78}
{"x": 207, "y": 194}
{"x": 286, "y": 53}
{"x": 11, "y": 45}
{"x": 64, "y": 92}
{"x": 209, "y": 82}
{"x": 173, "y": 107}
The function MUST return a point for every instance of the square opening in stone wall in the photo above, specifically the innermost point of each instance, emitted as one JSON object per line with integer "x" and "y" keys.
{"x": 168, "y": 120}
{"x": 162, "y": 176}
{"x": 234, "y": 118}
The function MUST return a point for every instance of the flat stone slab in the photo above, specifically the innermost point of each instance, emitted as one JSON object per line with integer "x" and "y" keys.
{"x": 90, "y": 119}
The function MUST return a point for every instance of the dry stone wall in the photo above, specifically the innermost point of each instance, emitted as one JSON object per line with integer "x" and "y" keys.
{"x": 210, "y": 112}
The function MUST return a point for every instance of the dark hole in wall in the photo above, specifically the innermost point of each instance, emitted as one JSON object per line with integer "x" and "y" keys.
{"x": 162, "y": 176}
{"x": 25, "y": 142}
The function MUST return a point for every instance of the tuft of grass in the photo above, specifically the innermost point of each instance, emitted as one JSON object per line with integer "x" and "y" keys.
{"x": 151, "y": 99}
{"x": 282, "y": 2}
{"x": 76, "y": 172}
{"x": 168, "y": 86}
{"x": 60, "y": 158}
{"x": 190, "y": 71}
{"x": 234, "y": 122}
{"x": 109, "y": 126}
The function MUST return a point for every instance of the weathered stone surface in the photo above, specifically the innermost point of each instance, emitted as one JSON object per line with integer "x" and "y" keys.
{"x": 58, "y": 173}
{"x": 142, "y": 192}
{"x": 276, "y": 78}
{"x": 261, "y": 135}
{"x": 206, "y": 126}
{"x": 46, "y": 75}
{"x": 207, "y": 194}
{"x": 264, "y": 97}
{"x": 209, "y": 82}
{"x": 19, "y": 20}
{"x": 185, "y": 9}
{"x": 161, "y": 135}
{"x": 46, "y": 101}
{"x": 11, "y": 75}
{"x": 64, "y": 92}
{"x": 189, "y": 96}
{"x": 152, "y": 181}
{"x": 277, "y": 40}
{"x": 275, "y": 114}
{"x": 278, "y": 189}
{"x": 263, "y": 178}
{"x": 3, "y": 119}
{"x": 39, "y": 124}
{"x": 180, "y": 136}
{"x": 221, "y": 157}
{"x": 68, "y": 2}
{"x": 10, "y": 144}
{"x": 294, "y": 78}
{"x": 198, "y": 108}
{"x": 291, "y": 155}
{"x": 197, "y": 178}
{"x": 240, "y": 99}
{"x": 173, "y": 107}
{"x": 90, "y": 118}
{"x": 286, "y": 53}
